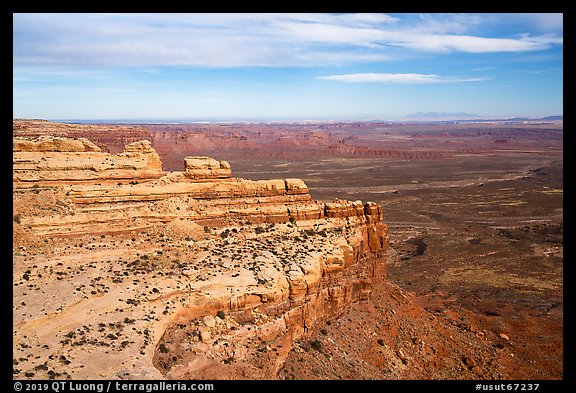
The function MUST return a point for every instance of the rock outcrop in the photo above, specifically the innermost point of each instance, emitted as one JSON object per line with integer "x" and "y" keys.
{"x": 125, "y": 256}
{"x": 54, "y": 144}
{"x": 109, "y": 138}
{"x": 206, "y": 168}
{"x": 56, "y": 159}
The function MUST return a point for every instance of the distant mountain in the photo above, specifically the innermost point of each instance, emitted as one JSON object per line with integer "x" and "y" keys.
{"x": 441, "y": 116}
{"x": 462, "y": 116}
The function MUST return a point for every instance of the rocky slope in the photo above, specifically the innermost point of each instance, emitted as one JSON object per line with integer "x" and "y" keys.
{"x": 112, "y": 256}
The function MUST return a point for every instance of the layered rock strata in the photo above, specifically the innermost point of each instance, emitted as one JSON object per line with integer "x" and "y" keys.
{"x": 206, "y": 168}
{"x": 110, "y": 138}
{"x": 55, "y": 159}
{"x": 112, "y": 257}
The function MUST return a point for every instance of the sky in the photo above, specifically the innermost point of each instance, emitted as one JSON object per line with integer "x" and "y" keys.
{"x": 285, "y": 66}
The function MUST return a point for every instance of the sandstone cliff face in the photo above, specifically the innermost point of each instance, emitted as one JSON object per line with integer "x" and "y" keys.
{"x": 60, "y": 159}
{"x": 110, "y": 138}
{"x": 130, "y": 262}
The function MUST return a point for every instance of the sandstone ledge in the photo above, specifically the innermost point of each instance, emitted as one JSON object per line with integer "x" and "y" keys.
{"x": 40, "y": 159}
{"x": 106, "y": 270}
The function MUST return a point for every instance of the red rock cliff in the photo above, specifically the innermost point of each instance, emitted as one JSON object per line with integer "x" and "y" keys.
{"x": 197, "y": 243}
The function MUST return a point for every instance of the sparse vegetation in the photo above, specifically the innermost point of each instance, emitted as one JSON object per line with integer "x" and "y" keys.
{"x": 317, "y": 345}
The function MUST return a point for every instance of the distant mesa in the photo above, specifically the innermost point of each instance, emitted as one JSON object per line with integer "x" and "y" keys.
{"x": 463, "y": 116}
{"x": 559, "y": 117}
{"x": 547, "y": 118}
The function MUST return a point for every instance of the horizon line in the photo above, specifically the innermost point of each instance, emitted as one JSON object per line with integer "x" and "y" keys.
{"x": 434, "y": 117}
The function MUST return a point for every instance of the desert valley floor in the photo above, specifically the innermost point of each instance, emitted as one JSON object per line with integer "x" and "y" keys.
{"x": 480, "y": 243}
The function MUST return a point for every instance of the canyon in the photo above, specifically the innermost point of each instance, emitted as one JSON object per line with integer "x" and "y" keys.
{"x": 144, "y": 252}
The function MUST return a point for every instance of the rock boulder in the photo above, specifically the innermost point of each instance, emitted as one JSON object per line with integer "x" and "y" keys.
{"x": 206, "y": 168}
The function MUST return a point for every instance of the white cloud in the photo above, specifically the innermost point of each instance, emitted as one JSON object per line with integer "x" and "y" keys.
{"x": 328, "y": 33}
{"x": 236, "y": 40}
{"x": 472, "y": 44}
{"x": 397, "y": 78}
{"x": 446, "y": 23}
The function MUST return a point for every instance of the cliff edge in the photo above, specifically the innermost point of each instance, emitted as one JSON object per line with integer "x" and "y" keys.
{"x": 112, "y": 256}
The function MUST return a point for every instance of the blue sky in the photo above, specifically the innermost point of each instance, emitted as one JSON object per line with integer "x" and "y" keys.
{"x": 285, "y": 66}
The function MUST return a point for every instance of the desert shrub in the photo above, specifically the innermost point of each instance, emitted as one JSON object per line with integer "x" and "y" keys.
{"x": 317, "y": 345}
{"x": 16, "y": 218}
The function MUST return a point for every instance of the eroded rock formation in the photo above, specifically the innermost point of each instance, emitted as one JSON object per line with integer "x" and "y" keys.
{"x": 52, "y": 159}
{"x": 206, "y": 168}
{"x": 112, "y": 257}
{"x": 110, "y": 138}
